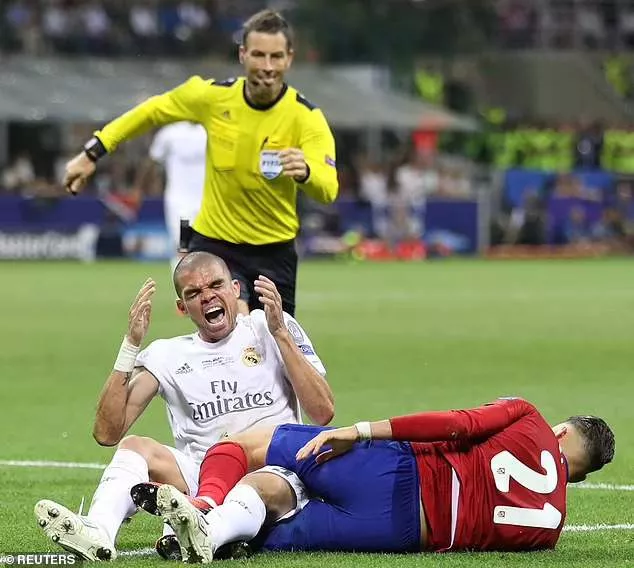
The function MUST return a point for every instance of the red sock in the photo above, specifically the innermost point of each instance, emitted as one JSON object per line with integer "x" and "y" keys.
{"x": 223, "y": 466}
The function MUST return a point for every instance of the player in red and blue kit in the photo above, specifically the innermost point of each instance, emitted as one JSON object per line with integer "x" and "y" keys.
{"x": 488, "y": 478}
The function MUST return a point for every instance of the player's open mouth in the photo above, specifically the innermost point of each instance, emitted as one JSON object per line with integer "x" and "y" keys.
{"x": 215, "y": 315}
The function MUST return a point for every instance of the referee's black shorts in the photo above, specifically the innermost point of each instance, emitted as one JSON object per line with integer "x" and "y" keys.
{"x": 277, "y": 261}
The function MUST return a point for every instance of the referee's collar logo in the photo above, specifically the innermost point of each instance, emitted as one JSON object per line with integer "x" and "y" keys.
{"x": 270, "y": 164}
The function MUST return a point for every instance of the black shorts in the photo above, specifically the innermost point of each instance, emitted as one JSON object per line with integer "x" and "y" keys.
{"x": 277, "y": 261}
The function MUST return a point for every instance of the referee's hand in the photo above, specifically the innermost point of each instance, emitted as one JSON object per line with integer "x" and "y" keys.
{"x": 77, "y": 172}
{"x": 294, "y": 164}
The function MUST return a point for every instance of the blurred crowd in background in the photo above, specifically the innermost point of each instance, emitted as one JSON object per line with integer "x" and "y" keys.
{"x": 117, "y": 28}
{"x": 195, "y": 27}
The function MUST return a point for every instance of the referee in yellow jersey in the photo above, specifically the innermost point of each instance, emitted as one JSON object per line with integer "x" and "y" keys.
{"x": 265, "y": 142}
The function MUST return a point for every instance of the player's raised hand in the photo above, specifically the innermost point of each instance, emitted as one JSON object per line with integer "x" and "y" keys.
{"x": 140, "y": 312}
{"x": 337, "y": 442}
{"x": 78, "y": 172}
{"x": 272, "y": 301}
{"x": 294, "y": 163}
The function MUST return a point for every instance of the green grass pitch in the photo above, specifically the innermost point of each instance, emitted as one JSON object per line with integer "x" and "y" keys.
{"x": 395, "y": 338}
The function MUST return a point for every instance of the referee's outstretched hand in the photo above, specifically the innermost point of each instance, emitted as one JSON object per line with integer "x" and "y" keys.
{"x": 77, "y": 172}
{"x": 270, "y": 298}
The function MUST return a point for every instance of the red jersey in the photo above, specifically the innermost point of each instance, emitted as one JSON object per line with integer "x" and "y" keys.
{"x": 496, "y": 480}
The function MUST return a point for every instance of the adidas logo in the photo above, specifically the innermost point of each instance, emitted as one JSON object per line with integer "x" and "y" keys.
{"x": 184, "y": 369}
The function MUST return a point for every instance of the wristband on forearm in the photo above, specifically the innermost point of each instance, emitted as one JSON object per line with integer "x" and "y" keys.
{"x": 365, "y": 431}
{"x": 126, "y": 357}
{"x": 94, "y": 149}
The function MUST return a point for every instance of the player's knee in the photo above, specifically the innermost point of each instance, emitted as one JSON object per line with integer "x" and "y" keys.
{"x": 275, "y": 492}
{"x": 146, "y": 447}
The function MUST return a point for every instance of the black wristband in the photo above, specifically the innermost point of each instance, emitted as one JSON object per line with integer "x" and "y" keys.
{"x": 95, "y": 149}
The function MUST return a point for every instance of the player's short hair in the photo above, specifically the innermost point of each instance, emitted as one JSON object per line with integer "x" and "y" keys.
{"x": 268, "y": 22}
{"x": 598, "y": 440}
{"x": 192, "y": 261}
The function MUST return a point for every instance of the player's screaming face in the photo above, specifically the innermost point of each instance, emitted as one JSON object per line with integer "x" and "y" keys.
{"x": 266, "y": 58}
{"x": 210, "y": 299}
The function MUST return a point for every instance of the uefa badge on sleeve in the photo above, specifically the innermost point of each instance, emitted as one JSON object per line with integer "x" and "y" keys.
{"x": 296, "y": 332}
{"x": 270, "y": 164}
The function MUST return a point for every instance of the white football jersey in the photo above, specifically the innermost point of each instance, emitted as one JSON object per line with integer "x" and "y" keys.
{"x": 182, "y": 149}
{"x": 223, "y": 388}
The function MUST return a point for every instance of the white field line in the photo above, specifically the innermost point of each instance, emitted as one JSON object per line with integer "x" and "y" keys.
{"x": 139, "y": 552}
{"x": 92, "y": 465}
{"x": 604, "y": 486}
{"x": 599, "y": 527}
{"x": 68, "y": 465}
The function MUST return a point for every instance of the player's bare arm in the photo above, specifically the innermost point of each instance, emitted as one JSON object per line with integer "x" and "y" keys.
{"x": 313, "y": 392}
{"x": 421, "y": 427}
{"x": 127, "y": 391}
{"x": 342, "y": 440}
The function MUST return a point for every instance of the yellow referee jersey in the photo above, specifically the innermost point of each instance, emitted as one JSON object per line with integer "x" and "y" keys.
{"x": 246, "y": 199}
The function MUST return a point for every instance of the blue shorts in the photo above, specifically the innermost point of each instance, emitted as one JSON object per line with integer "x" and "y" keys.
{"x": 366, "y": 500}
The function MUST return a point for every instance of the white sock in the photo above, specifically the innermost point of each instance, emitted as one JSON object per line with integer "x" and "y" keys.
{"x": 111, "y": 503}
{"x": 240, "y": 517}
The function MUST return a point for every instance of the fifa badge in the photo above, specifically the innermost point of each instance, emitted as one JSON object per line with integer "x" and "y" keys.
{"x": 270, "y": 164}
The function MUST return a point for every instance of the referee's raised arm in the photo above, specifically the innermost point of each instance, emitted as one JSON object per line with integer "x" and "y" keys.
{"x": 185, "y": 102}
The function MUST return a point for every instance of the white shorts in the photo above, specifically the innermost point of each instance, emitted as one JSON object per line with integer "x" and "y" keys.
{"x": 298, "y": 488}
{"x": 189, "y": 469}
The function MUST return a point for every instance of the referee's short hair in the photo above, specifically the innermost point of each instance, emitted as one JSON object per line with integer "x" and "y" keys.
{"x": 268, "y": 22}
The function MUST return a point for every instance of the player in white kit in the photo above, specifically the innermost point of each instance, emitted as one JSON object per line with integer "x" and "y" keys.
{"x": 181, "y": 149}
{"x": 234, "y": 373}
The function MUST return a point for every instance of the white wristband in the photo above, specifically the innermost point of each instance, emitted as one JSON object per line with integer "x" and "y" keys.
{"x": 365, "y": 431}
{"x": 126, "y": 357}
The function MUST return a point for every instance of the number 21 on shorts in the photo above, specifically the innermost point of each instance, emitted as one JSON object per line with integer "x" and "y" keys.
{"x": 504, "y": 466}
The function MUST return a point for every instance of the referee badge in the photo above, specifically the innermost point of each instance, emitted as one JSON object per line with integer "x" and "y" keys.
{"x": 270, "y": 164}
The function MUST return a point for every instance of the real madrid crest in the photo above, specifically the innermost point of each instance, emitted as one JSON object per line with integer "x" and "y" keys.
{"x": 250, "y": 357}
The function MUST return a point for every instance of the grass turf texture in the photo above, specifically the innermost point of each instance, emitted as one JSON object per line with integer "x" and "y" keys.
{"x": 395, "y": 338}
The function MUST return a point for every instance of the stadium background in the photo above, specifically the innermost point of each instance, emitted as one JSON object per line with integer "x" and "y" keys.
{"x": 479, "y": 130}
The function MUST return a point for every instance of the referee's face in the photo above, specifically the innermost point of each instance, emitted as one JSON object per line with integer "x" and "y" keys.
{"x": 266, "y": 58}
